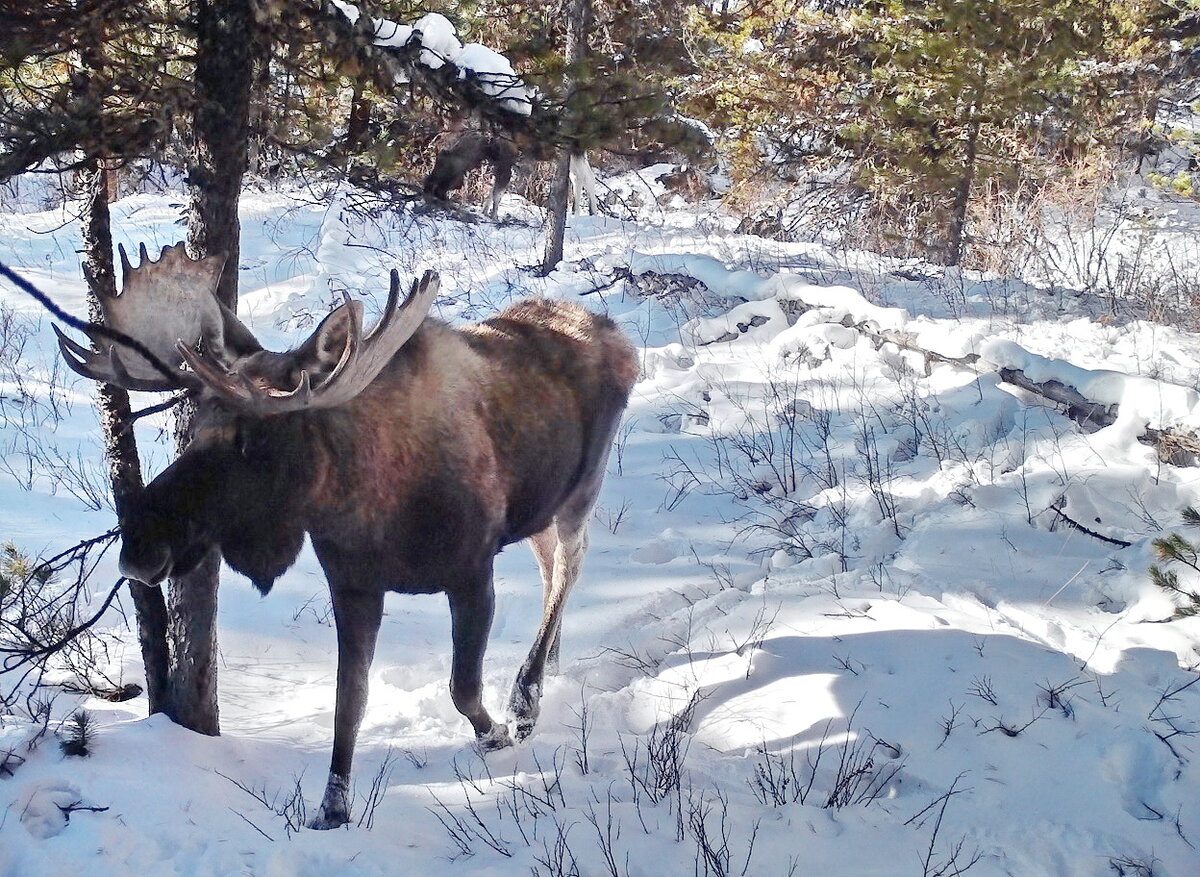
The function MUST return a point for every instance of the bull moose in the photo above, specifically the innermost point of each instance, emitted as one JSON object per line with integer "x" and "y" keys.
{"x": 409, "y": 456}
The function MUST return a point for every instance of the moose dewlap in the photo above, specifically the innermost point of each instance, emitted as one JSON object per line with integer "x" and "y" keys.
{"x": 409, "y": 455}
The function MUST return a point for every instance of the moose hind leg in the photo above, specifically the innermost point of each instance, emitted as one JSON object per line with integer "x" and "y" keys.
{"x": 544, "y": 545}
{"x": 570, "y": 545}
{"x": 357, "y": 615}
{"x": 470, "y": 621}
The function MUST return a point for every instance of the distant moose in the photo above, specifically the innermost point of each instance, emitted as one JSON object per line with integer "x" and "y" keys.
{"x": 410, "y": 455}
{"x": 473, "y": 149}
{"x": 469, "y": 151}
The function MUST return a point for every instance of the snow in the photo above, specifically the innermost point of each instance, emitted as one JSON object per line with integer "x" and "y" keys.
{"x": 440, "y": 45}
{"x": 811, "y": 551}
{"x": 440, "y": 39}
{"x": 1158, "y": 403}
{"x": 390, "y": 33}
{"x": 495, "y": 75}
{"x": 708, "y": 270}
{"x": 349, "y": 10}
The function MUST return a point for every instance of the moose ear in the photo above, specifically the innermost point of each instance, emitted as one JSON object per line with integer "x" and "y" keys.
{"x": 325, "y": 349}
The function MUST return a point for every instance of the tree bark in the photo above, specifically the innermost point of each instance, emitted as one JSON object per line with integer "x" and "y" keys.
{"x": 116, "y": 423}
{"x": 192, "y": 629}
{"x": 556, "y": 210}
{"x": 578, "y": 20}
{"x": 359, "y": 122}
{"x": 120, "y": 445}
{"x": 225, "y": 55}
{"x": 956, "y": 233}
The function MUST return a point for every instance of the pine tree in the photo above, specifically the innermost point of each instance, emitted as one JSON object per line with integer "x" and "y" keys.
{"x": 79, "y": 735}
{"x": 1176, "y": 549}
{"x": 924, "y": 105}
{"x": 961, "y": 94}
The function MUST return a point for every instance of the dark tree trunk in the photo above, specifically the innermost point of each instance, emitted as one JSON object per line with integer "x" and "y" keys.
{"x": 358, "y": 125}
{"x": 957, "y": 225}
{"x": 956, "y": 233}
{"x": 556, "y": 210}
{"x": 120, "y": 446}
{"x": 579, "y": 16}
{"x": 192, "y": 629}
{"x": 225, "y": 54}
{"x": 98, "y": 178}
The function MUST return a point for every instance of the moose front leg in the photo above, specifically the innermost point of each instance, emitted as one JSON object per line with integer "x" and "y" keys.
{"x": 470, "y": 622}
{"x": 357, "y": 615}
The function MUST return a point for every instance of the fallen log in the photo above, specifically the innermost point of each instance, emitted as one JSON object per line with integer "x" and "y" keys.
{"x": 1179, "y": 447}
{"x": 1174, "y": 445}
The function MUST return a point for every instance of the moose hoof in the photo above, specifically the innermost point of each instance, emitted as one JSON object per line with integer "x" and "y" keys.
{"x": 326, "y": 821}
{"x": 497, "y": 738}
{"x": 335, "y": 806}
{"x": 524, "y": 704}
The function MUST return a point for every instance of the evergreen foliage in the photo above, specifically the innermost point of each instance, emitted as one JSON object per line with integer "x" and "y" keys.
{"x": 918, "y": 112}
{"x": 1174, "y": 548}
{"x": 18, "y": 570}
{"x": 78, "y": 735}
{"x": 924, "y": 105}
{"x": 922, "y": 119}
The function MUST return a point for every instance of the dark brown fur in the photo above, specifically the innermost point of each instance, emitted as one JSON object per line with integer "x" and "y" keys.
{"x": 470, "y": 439}
{"x": 464, "y": 155}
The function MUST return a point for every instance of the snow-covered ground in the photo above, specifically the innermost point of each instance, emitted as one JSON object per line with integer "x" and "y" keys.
{"x": 833, "y": 620}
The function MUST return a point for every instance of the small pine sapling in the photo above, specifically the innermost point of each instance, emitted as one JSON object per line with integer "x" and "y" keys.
{"x": 1174, "y": 548}
{"x": 79, "y": 735}
{"x": 18, "y": 570}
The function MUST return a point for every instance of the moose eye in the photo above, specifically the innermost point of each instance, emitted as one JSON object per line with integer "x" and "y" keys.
{"x": 239, "y": 441}
{"x": 244, "y": 442}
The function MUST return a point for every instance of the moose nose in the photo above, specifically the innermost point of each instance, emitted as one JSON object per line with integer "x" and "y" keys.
{"x": 149, "y": 567}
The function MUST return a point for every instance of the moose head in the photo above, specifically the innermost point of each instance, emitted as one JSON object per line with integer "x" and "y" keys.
{"x": 246, "y": 460}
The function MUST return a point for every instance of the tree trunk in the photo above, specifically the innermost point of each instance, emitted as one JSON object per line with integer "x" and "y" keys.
{"x": 556, "y": 210}
{"x": 192, "y": 628}
{"x": 225, "y": 53}
{"x": 358, "y": 125}
{"x": 120, "y": 445}
{"x": 578, "y": 20}
{"x": 116, "y": 424}
{"x": 956, "y": 232}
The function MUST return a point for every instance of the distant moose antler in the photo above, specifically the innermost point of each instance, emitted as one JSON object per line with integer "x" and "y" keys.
{"x": 409, "y": 455}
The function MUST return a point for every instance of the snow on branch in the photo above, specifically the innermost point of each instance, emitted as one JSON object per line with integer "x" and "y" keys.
{"x": 1154, "y": 412}
{"x": 433, "y": 43}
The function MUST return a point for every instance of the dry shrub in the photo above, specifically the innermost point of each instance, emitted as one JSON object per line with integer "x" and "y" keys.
{"x": 816, "y": 205}
{"x": 1086, "y": 229}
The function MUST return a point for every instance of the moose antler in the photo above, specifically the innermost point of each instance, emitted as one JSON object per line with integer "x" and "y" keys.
{"x": 108, "y": 367}
{"x": 162, "y": 302}
{"x": 359, "y": 362}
